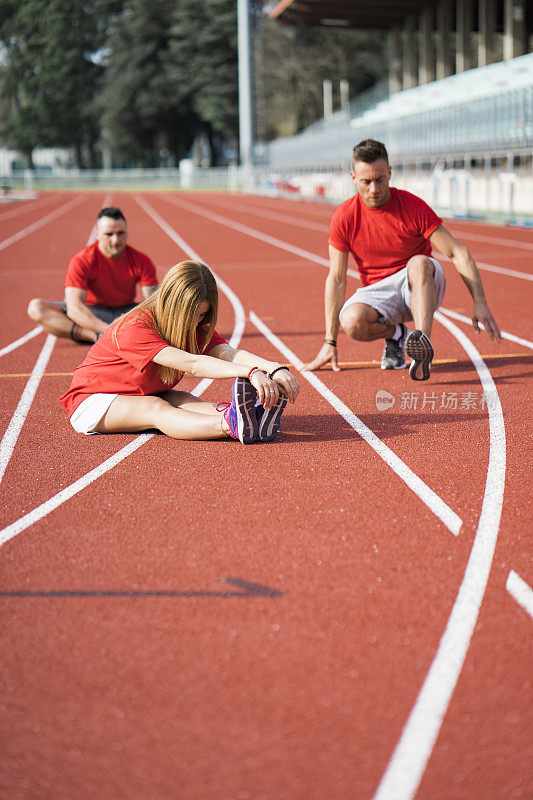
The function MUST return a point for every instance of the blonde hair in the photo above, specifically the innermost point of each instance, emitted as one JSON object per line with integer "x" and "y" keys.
{"x": 172, "y": 311}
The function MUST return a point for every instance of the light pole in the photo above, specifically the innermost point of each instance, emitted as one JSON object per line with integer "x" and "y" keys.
{"x": 246, "y": 131}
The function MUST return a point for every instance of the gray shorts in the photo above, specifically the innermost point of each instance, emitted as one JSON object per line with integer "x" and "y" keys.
{"x": 107, "y": 314}
{"x": 391, "y": 297}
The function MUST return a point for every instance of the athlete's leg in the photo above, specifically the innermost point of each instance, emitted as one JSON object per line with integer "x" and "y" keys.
{"x": 421, "y": 277}
{"x": 360, "y": 322}
{"x": 188, "y": 402}
{"x": 128, "y": 414}
{"x": 54, "y": 320}
{"x": 422, "y": 280}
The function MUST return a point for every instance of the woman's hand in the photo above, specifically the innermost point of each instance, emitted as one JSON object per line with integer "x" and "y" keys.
{"x": 287, "y": 383}
{"x": 267, "y": 390}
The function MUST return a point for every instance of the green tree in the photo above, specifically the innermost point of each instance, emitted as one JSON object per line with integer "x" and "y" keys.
{"x": 50, "y": 72}
{"x": 202, "y": 65}
{"x": 293, "y": 62}
{"x": 171, "y": 75}
{"x": 143, "y": 114}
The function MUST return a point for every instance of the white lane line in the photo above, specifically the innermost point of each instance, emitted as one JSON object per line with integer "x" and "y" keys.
{"x": 23, "y": 339}
{"x": 257, "y": 212}
{"x": 513, "y": 273}
{"x": 240, "y": 316}
{"x": 409, "y": 760}
{"x": 511, "y": 337}
{"x": 11, "y": 435}
{"x": 520, "y": 591}
{"x": 41, "y": 222}
{"x": 30, "y": 206}
{"x": 18, "y": 419}
{"x": 263, "y": 237}
{"x": 477, "y": 237}
{"x": 36, "y": 331}
{"x": 324, "y": 211}
{"x": 435, "y": 503}
{"x": 58, "y": 499}
{"x": 316, "y": 226}
{"x": 303, "y": 253}
{"x": 325, "y": 229}
{"x": 61, "y": 497}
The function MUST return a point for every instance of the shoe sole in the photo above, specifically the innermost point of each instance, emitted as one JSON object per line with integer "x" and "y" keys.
{"x": 271, "y": 420}
{"x": 245, "y": 396}
{"x": 419, "y": 349}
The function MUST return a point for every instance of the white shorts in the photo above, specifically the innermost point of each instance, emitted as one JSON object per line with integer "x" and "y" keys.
{"x": 89, "y": 413}
{"x": 391, "y": 297}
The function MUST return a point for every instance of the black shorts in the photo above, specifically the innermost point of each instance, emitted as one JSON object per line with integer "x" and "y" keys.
{"x": 106, "y": 313}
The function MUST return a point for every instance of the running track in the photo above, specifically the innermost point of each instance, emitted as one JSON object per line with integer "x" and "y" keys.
{"x": 345, "y": 614}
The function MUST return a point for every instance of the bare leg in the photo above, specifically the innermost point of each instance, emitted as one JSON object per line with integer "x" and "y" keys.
{"x": 54, "y": 320}
{"x": 361, "y": 323}
{"x": 128, "y": 414}
{"x": 420, "y": 274}
{"x": 188, "y": 402}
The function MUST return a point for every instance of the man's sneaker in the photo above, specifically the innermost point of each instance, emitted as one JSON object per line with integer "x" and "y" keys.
{"x": 419, "y": 349}
{"x": 269, "y": 421}
{"x": 240, "y": 414}
{"x": 393, "y": 355}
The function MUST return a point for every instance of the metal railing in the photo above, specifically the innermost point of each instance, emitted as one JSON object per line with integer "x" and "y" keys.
{"x": 486, "y": 112}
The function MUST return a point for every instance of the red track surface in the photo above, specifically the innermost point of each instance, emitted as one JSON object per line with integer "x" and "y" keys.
{"x": 299, "y": 691}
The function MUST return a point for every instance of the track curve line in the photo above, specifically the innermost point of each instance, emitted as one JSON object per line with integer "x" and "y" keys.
{"x": 237, "y": 226}
{"x": 61, "y": 497}
{"x": 410, "y": 758}
{"x": 510, "y": 336}
{"x": 430, "y": 498}
{"x": 240, "y": 317}
{"x": 513, "y": 273}
{"x": 520, "y": 591}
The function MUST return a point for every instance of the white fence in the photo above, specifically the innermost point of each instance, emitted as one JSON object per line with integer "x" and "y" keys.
{"x": 504, "y": 194}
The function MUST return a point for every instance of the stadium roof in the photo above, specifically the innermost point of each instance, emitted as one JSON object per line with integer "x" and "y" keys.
{"x": 348, "y": 13}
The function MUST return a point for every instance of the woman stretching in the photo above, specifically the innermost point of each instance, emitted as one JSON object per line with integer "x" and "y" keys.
{"x": 125, "y": 384}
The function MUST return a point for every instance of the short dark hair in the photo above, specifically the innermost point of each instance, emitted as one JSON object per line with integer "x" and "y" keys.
{"x": 369, "y": 150}
{"x": 112, "y": 212}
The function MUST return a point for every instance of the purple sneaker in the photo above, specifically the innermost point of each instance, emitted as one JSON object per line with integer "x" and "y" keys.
{"x": 269, "y": 421}
{"x": 240, "y": 414}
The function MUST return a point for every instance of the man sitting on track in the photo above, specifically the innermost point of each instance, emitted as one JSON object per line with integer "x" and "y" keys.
{"x": 390, "y": 233}
{"x": 100, "y": 283}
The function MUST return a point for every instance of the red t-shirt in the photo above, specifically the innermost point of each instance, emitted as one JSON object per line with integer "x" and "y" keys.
{"x": 109, "y": 281}
{"x": 382, "y": 240}
{"x": 126, "y": 369}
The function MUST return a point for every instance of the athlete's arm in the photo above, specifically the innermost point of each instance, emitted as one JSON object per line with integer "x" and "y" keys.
{"x": 442, "y": 240}
{"x": 149, "y": 290}
{"x": 334, "y": 294}
{"x": 284, "y": 379}
{"x": 80, "y": 313}
{"x": 215, "y": 367}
